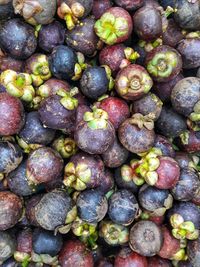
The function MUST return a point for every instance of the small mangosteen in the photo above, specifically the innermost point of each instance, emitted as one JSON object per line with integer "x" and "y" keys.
{"x": 95, "y": 126}
{"x": 137, "y": 133}
{"x": 132, "y": 82}
{"x": 114, "y": 26}
{"x": 83, "y": 171}
{"x": 92, "y": 206}
{"x": 51, "y": 35}
{"x": 123, "y": 207}
{"x": 11, "y": 208}
{"x": 43, "y": 165}
{"x": 17, "y": 38}
{"x": 146, "y": 238}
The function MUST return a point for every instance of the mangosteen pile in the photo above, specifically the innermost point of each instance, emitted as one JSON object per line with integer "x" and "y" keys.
{"x": 99, "y": 133}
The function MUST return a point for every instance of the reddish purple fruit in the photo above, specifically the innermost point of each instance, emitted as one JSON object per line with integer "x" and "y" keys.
{"x": 100, "y": 7}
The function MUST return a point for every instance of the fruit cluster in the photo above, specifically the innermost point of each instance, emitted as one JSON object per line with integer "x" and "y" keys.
{"x": 99, "y": 133}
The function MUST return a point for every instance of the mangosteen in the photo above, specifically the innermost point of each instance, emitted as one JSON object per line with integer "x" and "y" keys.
{"x": 99, "y": 7}
{"x": 6, "y": 241}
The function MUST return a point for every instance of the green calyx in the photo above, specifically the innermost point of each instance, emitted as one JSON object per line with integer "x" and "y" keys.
{"x": 128, "y": 173}
{"x": 184, "y": 137}
{"x": 195, "y": 115}
{"x": 67, "y": 99}
{"x": 44, "y": 259}
{"x": 22, "y": 257}
{"x": 136, "y": 81}
{"x": 65, "y": 146}
{"x": 40, "y": 70}
{"x": 148, "y": 46}
{"x": 83, "y": 229}
{"x": 180, "y": 255}
{"x": 109, "y": 28}
{"x": 18, "y": 85}
{"x": 114, "y": 234}
{"x": 109, "y": 77}
{"x": 131, "y": 55}
{"x": 162, "y": 64}
{"x": 79, "y": 67}
{"x": 183, "y": 229}
{"x": 98, "y": 119}
{"x": 142, "y": 121}
{"x": 78, "y": 176}
{"x": 148, "y": 166}
{"x": 27, "y": 148}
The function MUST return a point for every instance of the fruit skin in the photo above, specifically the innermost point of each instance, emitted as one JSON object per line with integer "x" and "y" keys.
{"x": 187, "y": 186}
{"x": 44, "y": 165}
{"x": 94, "y": 82}
{"x": 170, "y": 123}
{"x": 146, "y": 238}
{"x": 45, "y": 242}
{"x": 129, "y": 5}
{"x": 134, "y": 138}
{"x": 10, "y": 156}
{"x": 11, "y": 210}
{"x": 163, "y": 63}
{"x": 11, "y": 115}
{"x": 92, "y": 206}
{"x": 164, "y": 145}
{"x": 158, "y": 262}
{"x": 117, "y": 109}
{"x": 7, "y": 62}
{"x": 30, "y": 204}
{"x": 51, "y": 35}
{"x": 147, "y": 23}
{"x": 132, "y": 82}
{"x": 188, "y": 48}
{"x": 126, "y": 258}
{"x": 189, "y": 141}
{"x": 120, "y": 26}
{"x": 53, "y": 210}
{"x": 6, "y": 10}
{"x": 193, "y": 251}
{"x": 83, "y": 38}
{"x": 115, "y": 155}
{"x": 38, "y": 12}
{"x": 6, "y": 241}
{"x": 107, "y": 181}
{"x": 100, "y": 7}
{"x": 173, "y": 35}
{"x": 75, "y": 253}
{"x": 33, "y": 131}
{"x": 123, "y": 207}
{"x": 17, "y": 38}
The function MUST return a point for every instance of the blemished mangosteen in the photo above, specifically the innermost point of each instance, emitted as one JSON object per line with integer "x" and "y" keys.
{"x": 123, "y": 207}
{"x": 17, "y": 38}
{"x": 11, "y": 208}
{"x": 92, "y": 206}
{"x": 146, "y": 238}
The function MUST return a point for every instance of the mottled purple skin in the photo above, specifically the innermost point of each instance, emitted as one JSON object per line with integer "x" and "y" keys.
{"x": 44, "y": 165}
{"x": 146, "y": 238}
{"x": 52, "y": 209}
{"x": 7, "y": 62}
{"x": 100, "y": 7}
{"x": 164, "y": 49}
{"x": 7, "y": 240}
{"x": 193, "y": 142}
{"x": 183, "y": 159}
{"x": 187, "y": 186}
{"x": 147, "y": 23}
{"x": 112, "y": 56}
{"x": 24, "y": 241}
{"x": 163, "y": 90}
{"x": 92, "y": 206}
{"x": 31, "y": 203}
{"x": 148, "y": 104}
{"x": 10, "y": 156}
{"x": 123, "y": 184}
{"x": 51, "y": 35}
{"x": 189, "y": 50}
{"x": 129, "y": 5}
{"x": 134, "y": 139}
{"x": 184, "y": 264}
{"x": 10, "y": 210}
{"x": 17, "y": 181}
{"x": 17, "y": 38}
{"x": 53, "y": 85}
{"x": 189, "y": 212}
{"x": 11, "y": 115}
{"x": 123, "y": 207}
{"x": 193, "y": 251}
{"x": 81, "y": 109}
{"x": 164, "y": 144}
{"x": 115, "y": 155}
{"x": 158, "y": 262}
{"x": 94, "y": 141}
{"x": 170, "y": 123}
{"x": 54, "y": 115}
{"x": 173, "y": 35}
{"x": 75, "y": 253}
{"x": 83, "y": 38}
{"x": 107, "y": 181}
{"x": 93, "y": 163}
